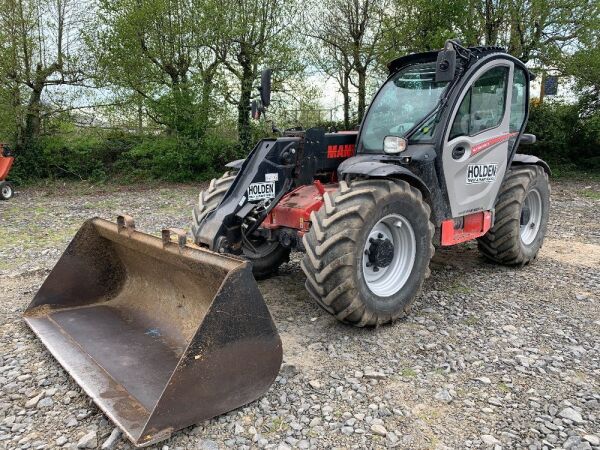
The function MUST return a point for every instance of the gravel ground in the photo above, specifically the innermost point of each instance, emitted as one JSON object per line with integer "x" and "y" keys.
{"x": 491, "y": 357}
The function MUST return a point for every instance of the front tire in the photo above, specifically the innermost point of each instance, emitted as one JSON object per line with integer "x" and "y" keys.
{"x": 368, "y": 251}
{"x": 522, "y": 210}
{"x": 266, "y": 256}
{"x": 6, "y": 190}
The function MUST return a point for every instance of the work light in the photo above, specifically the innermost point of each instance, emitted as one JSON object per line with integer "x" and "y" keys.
{"x": 394, "y": 144}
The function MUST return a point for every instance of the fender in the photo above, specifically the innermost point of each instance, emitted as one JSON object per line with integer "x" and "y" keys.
{"x": 357, "y": 165}
{"x": 522, "y": 160}
{"x": 237, "y": 164}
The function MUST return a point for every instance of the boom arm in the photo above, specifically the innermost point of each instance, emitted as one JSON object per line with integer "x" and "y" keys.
{"x": 271, "y": 170}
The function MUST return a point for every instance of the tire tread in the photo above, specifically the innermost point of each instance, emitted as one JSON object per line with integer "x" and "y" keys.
{"x": 331, "y": 242}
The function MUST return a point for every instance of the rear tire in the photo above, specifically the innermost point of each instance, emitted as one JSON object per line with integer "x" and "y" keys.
{"x": 6, "y": 190}
{"x": 522, "y": 210}
{"x": 268, "y": 255}
{"x": 340, "y": 244}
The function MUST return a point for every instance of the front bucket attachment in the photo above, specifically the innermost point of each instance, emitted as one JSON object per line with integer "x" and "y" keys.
{"x": 160, "y": 334}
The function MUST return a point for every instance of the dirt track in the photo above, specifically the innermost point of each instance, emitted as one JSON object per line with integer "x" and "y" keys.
{"x": 491, "y": 356}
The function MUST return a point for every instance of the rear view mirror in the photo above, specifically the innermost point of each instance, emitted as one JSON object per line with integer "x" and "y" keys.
{"x": 527, "y": 139}
{"x": 446, "y": 65}
{"x": 255, "y": 111}
{"x": 265, "y": 87}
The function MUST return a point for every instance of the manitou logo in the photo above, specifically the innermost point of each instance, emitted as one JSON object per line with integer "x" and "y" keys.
{"x": 481, "y": 173}
{"x": 340, "y": 151}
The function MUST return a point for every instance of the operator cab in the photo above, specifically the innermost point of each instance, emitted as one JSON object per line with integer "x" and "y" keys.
{"x": 411, "y": 103}
{"x": 401, "y": 107}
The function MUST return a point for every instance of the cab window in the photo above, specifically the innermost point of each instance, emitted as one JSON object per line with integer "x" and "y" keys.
{"x": 518, "y": 102}
{"x": 518, "y": 106}
{"x": 482, "y": 108}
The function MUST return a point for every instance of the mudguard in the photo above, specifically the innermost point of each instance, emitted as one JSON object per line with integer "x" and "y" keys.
{"x": 236, "y": 165}
{"x": 364, "y": 165}
{"x": 521, "y": 160}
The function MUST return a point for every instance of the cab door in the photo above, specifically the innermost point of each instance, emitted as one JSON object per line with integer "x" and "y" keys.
{"x": 477, "y": 142}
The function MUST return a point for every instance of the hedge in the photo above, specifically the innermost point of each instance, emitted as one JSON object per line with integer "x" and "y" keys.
{"x": 568, "y": 140}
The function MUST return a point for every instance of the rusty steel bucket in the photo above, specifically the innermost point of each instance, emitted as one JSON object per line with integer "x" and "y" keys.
{"x": 160, "y": 334}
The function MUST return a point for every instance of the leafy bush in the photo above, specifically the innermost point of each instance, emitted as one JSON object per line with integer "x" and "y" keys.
{"x": 124, "y": 156}
{"x": 174, "y": 159}
{"x": 568, "y": 140}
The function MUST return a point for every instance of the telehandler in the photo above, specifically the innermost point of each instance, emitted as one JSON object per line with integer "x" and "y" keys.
{"x": 163, "y": 334}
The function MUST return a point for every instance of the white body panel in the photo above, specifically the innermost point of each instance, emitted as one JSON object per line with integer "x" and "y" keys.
{"x": 474, "y": 179}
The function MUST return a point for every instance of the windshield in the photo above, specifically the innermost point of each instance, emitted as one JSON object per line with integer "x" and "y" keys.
{"x": 403, "y": 101}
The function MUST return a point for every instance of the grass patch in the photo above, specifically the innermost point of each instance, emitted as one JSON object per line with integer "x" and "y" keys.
{"x": 593, "y": 195}
{"x": 502, "y": 387}
{"x": 458, "y": 288}
{"x": 13, "y": 263}
{"x": 41, "y": 210}
{"x": 472, "y": 320}
{"x": 37, "y": 237}
{"x": 429, "y": 415}
{"x": 568, "y": 173}
{"x": 277, "y": 425}
{"x": 408, "y": 372}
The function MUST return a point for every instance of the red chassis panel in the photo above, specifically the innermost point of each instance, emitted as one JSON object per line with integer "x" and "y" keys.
{"x": 293, "y": 210}
{"x": 473, "y": 226}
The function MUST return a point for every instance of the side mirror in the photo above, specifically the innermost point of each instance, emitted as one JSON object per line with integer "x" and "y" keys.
{"x": 527, "y": 139}
{"x": 446, "y": 64}
{"x": 265, "y": 87}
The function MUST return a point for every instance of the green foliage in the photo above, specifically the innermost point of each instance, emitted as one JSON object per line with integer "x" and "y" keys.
{"x": 185, "y": 72}
{"x": 124, "y": 157}
{"x": 538, "y": 30}
{"x": 156, "y": 51}
{"x": 592, "y": 195}
{"x": 425, "y": 25}
{"x": 176, "y": 159}
{"x": 566, "y": 138}
{"x": 8, "y": 113}
{"x": 584, "y": 66}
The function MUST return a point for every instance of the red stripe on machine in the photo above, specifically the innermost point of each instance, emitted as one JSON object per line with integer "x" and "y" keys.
{"x": 478, "y": 148}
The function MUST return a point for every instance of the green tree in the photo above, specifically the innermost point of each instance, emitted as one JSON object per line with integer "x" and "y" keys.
{"x": 539, "y": 30}
{"x": 255, "y": 34}
{"x": 158, "y": 51}
{"x": 331, "y": 54}
{"x": 350, "y": 32}
{"x": 425, "y": 25}
{"x": 546, "y": 30}
{"x": 37, "y": 42}
{"x": 584, "y": 66}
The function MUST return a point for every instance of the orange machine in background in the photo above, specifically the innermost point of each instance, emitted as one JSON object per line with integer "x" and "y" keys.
{"x": 6, "y": 162}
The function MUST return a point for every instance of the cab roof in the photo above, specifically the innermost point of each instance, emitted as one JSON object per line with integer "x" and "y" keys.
{"x": 415, "y": 58}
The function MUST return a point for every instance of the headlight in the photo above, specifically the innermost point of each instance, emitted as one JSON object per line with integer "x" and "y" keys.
{"x": 394, "y": 144}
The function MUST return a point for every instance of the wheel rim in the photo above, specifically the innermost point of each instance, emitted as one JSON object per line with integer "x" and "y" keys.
{"x": 531, "y": 217}
{"x": 384, "y": 273}
{"x": 6, "y": 191}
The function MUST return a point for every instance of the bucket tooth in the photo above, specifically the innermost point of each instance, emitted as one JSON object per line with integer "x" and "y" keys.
{"x": 160, "y": 334}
